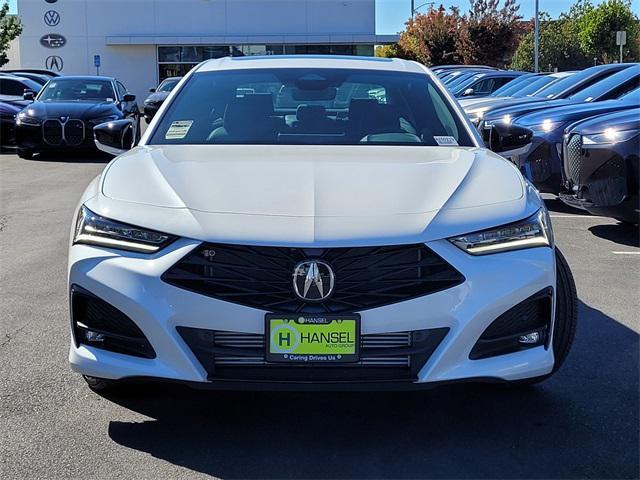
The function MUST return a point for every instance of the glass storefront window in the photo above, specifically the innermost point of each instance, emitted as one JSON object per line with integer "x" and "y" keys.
{"x": 176, "y": 61}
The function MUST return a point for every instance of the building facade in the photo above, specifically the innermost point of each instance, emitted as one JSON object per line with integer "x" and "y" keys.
{"x": 143, "y": 41}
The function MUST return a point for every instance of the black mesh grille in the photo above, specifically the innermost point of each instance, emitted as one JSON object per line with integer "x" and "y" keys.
{"x": 119, "y": 333}
{"x": 501, "y": 336}
{"x": 74, "y": 132}
{"x": 262, "y": 277}
{"x": 574, "y": 152}
{"x": 237, "y": 356}
{"x": 52, "y": 132}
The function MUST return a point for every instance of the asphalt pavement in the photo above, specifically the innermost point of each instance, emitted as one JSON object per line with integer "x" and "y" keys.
{"x": 583, "y": 422}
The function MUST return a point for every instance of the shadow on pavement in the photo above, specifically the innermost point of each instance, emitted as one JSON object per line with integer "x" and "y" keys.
{"x": 622, "y": 233}
{"x": 72, "y": 157}
{"x": 580, "y": 423}
{"x": 556, "y": 205}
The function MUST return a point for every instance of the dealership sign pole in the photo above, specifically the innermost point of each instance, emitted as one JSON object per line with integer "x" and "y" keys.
{"x": 621, "y": 39}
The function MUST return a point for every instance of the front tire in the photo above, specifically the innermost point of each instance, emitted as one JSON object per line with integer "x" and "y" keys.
{"x": 100, "y": 385}
{"x": 564, "y": 327}
{"x": 25, "y": 154}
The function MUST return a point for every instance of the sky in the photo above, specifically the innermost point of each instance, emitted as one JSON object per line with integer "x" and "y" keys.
{"x": 391, "y": 14}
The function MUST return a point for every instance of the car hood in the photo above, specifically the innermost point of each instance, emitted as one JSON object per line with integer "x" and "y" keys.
{"x": 519, "y": 110}
{"x": 622, "y": 121}
{"x": 80, "y": 110}
{"x": 310, "y": 195}
{"x": 572, "y": 113}
{"x": 157, "y": 97}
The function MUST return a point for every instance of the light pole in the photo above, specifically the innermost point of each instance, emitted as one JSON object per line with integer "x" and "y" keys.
{"x": 536, "y": 41}
{"x": 414, "y": 8}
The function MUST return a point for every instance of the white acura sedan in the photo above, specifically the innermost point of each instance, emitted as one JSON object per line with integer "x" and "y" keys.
{"x": 305, "y": 221}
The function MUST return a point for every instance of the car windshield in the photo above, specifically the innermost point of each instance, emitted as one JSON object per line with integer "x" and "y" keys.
{"x": 614, "y": 85}
{"x": 538, "y": 85}
{"x": 556, "y": 88}
{"x": 310, "y": 106}
{"x": 168, "y": 84}
{"x": 72, "y": 89}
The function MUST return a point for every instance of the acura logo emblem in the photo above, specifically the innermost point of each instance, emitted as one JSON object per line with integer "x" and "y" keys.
{"x": 313, "y": 280}
{"x": 54, "y": 62}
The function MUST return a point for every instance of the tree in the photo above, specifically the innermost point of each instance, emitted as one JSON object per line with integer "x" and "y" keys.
{"x": 598, "y": 27}
{"x": 388, "y": 51}
{"x": 430, "y": 38}
{"x": 559, "y": 47}
{"x": 489, "y": 34}
{"x": 559, "y": 42}
{"x": 10, "y": 28}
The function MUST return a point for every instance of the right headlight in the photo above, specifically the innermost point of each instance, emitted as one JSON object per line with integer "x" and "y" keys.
{"x": 93, "y": 229}
{"x": 534, "y": 231}
{"x": 609, "y": 137}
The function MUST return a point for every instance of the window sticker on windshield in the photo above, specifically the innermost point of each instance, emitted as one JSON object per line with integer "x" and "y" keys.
{"x": 178, "y": 129}
{"x": 446, "y": 141}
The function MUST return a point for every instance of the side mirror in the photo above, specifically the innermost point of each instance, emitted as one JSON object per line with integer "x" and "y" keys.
{"x": 129, "y": 97}
{"x": 115, "y": 137}
{"x": 467, "y": 92}
{"x": 28, "y": 95}
{"x": 152, "y": 90}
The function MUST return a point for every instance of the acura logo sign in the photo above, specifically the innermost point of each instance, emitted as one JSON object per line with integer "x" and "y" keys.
{"x": 54, "y": 62}
{"x": 313, "y": 281}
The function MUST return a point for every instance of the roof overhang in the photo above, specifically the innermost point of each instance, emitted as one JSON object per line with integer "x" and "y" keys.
{"x": 336, "y": 39}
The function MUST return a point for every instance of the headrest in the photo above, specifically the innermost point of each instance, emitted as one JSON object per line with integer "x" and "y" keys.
{"x": 243, "y": 112}
{"x": 311, "y": 113}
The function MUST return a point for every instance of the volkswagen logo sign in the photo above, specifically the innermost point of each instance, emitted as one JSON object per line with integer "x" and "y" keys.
{"x": 53, "y": 40}
{"x": 51, "y": 18}
{"x": 313, "y": 281}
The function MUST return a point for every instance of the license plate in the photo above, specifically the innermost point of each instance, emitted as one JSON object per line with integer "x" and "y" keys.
{"x": 312, "y": 338}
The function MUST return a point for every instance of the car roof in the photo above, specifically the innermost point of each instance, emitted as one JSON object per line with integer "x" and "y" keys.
{"x": 83, "y": 77}
{"x": 311, "y": 61}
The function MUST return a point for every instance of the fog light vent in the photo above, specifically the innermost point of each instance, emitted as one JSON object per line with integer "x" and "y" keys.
{"x": 98, "y": 324}
{"x": 524, "y": 326}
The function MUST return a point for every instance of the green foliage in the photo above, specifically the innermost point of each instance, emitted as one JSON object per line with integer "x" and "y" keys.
{"x": 583, "y": 33}
{"x": 559, "y": 47}
{"x": 598, "y": 27}
{"x": 10, "y": 28}
{"x": 388, "y": 51}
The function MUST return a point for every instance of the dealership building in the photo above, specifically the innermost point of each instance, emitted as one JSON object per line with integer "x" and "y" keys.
{"x": 143, "y": 41}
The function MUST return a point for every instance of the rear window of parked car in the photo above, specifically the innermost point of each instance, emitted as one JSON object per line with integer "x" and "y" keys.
{"x": 310, "y": 107}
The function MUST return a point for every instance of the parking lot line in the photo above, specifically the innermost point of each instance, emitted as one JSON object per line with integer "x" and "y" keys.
{"x": 626, "y": 253}
{"x": 576, "y": 216}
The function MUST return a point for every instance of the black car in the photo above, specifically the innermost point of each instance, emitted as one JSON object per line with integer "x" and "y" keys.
{"x": 64, "y": 113}
{"x": 600, "y": 168}
{"x": 158, "y": 95}
{"x": 12, "y": 87}
{"x": 8, "y": 113}
{"x": 484, "y": 83}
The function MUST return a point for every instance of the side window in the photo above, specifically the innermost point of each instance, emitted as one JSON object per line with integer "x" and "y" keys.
{"x": 11, "y": 87}
{"x": 483, "y": 86}
{"x": 121, "y": 89}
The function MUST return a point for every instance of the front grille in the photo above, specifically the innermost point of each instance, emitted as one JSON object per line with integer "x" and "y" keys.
{"x": 74, "y": 132}
{"x": 262, "y": 277}
{"x": 574, "y": 154}
{"x": 71, "y": 132}
{"x": 368, "y": 343}
{"x": 240, "y": 356}
{"x": 52, "y": 132}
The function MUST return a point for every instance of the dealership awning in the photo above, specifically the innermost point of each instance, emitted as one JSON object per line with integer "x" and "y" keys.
{"x": 249, "y": 39}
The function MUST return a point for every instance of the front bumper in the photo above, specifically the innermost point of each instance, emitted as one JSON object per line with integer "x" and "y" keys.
{"x": 541, "y": 163}
{"x": 131, "y": 283}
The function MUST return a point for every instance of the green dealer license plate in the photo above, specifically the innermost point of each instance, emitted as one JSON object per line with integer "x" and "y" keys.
{"x": 312, "y": 338}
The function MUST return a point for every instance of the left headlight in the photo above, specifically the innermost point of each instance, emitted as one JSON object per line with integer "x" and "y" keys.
{"x": 92, "y": 229}
{"x": 609, "y": 137}
{"x": 25, "y": 118}
{"x": 534, "y": 231}
{"x": 544, "y": 127}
